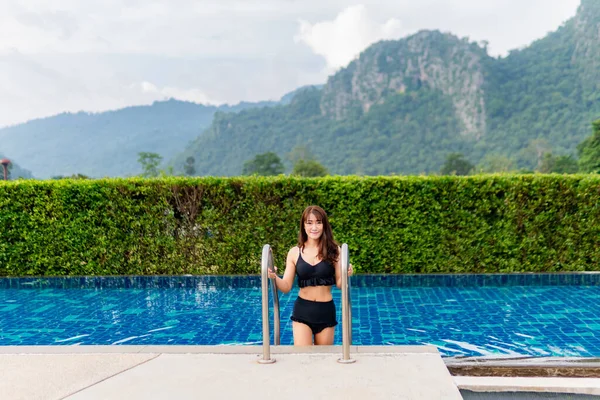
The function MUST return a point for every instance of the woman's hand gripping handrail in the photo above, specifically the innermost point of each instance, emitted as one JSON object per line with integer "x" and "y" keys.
{"x": 346, "y": 309}
{"x": 266, "y": 264}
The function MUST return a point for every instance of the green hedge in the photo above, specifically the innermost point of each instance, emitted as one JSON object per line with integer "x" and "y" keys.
{"x": 477, "y": 224}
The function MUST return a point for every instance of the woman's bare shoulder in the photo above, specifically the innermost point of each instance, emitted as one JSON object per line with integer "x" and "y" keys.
{"x": 294, "y": 252}
{"x": 292, "y": 256}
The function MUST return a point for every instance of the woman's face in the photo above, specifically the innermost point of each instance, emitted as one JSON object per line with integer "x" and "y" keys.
{"x": 313, "y": 227}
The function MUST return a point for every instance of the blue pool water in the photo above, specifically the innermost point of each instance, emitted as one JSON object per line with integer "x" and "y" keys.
{"x": 463, "y": 315}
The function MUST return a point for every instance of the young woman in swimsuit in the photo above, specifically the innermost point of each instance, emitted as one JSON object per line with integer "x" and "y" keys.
{"x": 317, "y": 262}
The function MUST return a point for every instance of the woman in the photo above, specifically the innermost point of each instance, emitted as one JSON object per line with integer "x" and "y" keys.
{"x": 317, "y": 262}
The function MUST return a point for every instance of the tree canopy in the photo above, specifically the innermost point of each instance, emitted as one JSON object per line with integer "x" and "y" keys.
{"x": 264, "y": 164}
{"x": 150, "y": 163}
{"x": 589, "y": 151}
{"x": 309, "y": 168}
{"x": 456, "y": 164}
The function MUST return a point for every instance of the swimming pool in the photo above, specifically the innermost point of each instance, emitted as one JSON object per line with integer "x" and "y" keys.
{"x": 463, "y": 315}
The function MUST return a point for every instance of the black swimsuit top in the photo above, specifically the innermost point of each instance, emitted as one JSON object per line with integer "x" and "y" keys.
{"x": 321, "y": 274}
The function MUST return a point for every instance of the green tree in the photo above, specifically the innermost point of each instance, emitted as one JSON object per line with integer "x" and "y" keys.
{"x": 533, "y": 154}
{"x": 264, "y": 164}
{"x": 150, "y": 163}
{"x": 74, "y": 176}
{"x": 309, "y": 168}
{"x": 299, "y": 152}
{"x": 496, "y": 163}
{"x": 456, "y": 164}
{"x": 169, "y": 171}
{"x": 190, "y": 166}
{"x": 589, "y": 151}
{"x": 558, "y": 164}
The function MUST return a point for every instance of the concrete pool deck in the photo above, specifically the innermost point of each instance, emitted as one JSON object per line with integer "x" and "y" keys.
{"x": 230, "y": 372}
{"x": 222, "y": 372}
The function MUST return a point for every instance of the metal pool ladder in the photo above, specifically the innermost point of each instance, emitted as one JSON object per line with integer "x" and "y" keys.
{"x": 346, "y": 309}
{"x": 267, "y": 263}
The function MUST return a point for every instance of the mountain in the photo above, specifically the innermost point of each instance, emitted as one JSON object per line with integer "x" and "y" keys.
{"x": 402, "y": 106}
{"x": 108, "y": 143}
{"x": 548, "y": 91}
{"x": 287, "y": 98}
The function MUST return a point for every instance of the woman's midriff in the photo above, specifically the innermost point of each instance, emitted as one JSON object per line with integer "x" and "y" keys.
{"x": 315, "y": 293}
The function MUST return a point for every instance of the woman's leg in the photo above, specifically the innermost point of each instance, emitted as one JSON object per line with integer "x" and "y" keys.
{"x": 302, "y": 334}
{"x": 325, "y": 337}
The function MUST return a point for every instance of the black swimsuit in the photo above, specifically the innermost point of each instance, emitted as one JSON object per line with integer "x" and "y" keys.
{"x": 318, "y": 315}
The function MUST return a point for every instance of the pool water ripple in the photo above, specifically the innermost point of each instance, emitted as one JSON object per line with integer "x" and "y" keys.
{"x": 492, "y": 316}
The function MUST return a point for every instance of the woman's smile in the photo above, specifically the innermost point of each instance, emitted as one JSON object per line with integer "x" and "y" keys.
{"x": 313, "y": 226}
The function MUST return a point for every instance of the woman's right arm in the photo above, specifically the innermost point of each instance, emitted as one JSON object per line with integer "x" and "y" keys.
{"x": 285, "y": 284}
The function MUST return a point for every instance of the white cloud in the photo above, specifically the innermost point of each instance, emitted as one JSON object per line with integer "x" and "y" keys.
{"x": 343, "y": 38}
{"x": 160, "y": 27}
{"x": 505, "y": 24}
{"x": 35, "y": 86}
{"x": 93, "y": 55}
{"x": 224, "y": 28}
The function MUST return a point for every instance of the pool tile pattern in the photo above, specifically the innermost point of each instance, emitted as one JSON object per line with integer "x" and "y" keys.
{"x": 463, "y": 315}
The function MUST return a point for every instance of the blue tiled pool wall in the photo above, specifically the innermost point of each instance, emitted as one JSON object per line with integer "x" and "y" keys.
{"x": 108, "y": 316}
{"x": 254, "y": 281}
{"x": 558, "y": 318}
{"x": 496, "y": 321}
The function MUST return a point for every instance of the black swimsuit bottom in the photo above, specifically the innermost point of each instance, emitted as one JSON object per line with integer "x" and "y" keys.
{"x": 318, "y": 315}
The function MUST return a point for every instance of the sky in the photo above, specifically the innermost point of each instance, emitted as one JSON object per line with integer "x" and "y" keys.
{"x": 98, "y": 55}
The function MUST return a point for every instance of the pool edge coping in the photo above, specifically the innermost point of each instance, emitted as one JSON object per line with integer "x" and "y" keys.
{"x": 219, "y": 349}
{"x": 562, "y": 385}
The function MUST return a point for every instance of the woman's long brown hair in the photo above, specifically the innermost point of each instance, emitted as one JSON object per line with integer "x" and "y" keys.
{"x": 328, "y": 248}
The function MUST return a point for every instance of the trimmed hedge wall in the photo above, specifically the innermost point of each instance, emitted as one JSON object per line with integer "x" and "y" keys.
{"x": 477, "y": 224}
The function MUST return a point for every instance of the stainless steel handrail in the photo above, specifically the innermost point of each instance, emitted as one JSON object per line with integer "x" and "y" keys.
{"x": 266, "y": 264}
{"x": 276, "y": 314}
{"x": 346, "y": 309}
{"x": 349, "y": 302}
